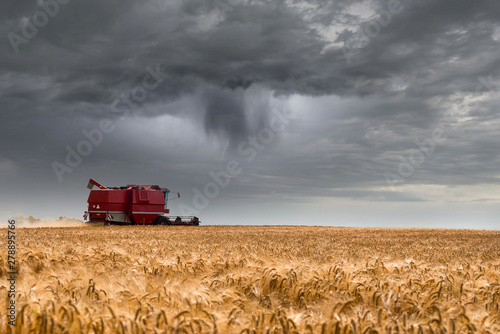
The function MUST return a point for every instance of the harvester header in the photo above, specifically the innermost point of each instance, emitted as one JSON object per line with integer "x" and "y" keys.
{"x": 131, "y": 205}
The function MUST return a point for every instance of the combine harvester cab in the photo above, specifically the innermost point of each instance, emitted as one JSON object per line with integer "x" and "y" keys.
{"x": 131, "y": 205}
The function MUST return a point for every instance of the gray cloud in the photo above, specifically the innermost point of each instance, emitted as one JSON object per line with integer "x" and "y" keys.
{"x": 222, "y": 73}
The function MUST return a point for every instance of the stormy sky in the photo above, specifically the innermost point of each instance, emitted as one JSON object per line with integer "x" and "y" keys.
{"x": 379, "y": 113}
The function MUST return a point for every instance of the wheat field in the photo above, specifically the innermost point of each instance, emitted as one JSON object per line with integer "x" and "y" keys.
{"x": 243, "y": 279}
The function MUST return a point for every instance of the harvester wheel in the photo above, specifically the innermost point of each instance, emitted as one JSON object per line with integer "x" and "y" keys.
{"x": 160, "y": 220}
{"x": 108, "y": 223}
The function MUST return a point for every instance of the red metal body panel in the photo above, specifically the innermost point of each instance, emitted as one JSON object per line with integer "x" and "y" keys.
{"x": 108, "y": 201}
{"x": 147, "y": 204}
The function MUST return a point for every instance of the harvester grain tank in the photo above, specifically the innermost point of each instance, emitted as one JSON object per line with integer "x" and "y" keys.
{"x": 131, "y": 205}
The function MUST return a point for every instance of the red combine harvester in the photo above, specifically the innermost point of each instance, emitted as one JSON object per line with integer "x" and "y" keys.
{"x": 131, "y": 205}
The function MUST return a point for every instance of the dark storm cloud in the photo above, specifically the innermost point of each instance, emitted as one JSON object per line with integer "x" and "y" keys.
{"x": 256, "y": 42}
{"x": 415, "y": 74}
{"x": 95, "y": 47}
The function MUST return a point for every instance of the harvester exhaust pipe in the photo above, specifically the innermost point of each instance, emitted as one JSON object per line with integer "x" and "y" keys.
{"x": 93, "y": 183}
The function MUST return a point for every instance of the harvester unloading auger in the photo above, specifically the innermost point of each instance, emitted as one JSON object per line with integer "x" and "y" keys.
{"x": 132, "y": 205}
